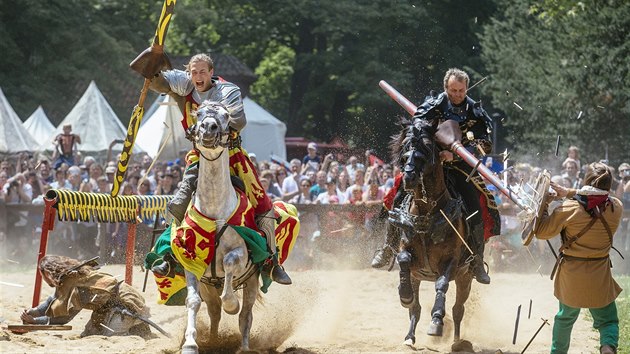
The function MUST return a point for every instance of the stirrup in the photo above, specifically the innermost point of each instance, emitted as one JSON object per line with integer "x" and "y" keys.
{"x": 480, "y": 273}
{"x": 280, "y": 276}
{"x": 383, "y": 257}
{"x": 166, "y": 268}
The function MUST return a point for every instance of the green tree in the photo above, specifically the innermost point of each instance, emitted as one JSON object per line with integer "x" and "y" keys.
{"x": 53, "y": 49}
{"x": 319, "y": 63}
{"x": 562, "y": 72}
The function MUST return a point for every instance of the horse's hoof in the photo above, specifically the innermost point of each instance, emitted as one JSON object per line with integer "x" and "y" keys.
{"x": 190, "y": 349}
{"x": 231, "y": 310}
{"x": 435, "y": 330}
{"x": 406, "y": 303}
{"x": 410, "y": 341}
{"x": 230, "y": 305}
{"x": 462, "y": 345}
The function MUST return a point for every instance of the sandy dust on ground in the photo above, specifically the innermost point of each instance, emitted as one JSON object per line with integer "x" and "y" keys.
{"x": 348, "y": 309}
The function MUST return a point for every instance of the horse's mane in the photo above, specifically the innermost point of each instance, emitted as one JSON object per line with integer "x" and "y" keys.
{"x": 409, "y": 133}
{"x": 213, "y": 106}
{"x": 397, "y": 141}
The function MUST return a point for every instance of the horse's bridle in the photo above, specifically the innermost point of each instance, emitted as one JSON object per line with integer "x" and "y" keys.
{"x": 204, "y": 156}
{"x": 416, "y": 136}
{"x": 222, "y": 139}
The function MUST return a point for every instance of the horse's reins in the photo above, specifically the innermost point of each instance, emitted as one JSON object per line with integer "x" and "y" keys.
{"x": 425, "y": 199}
{"x": 220, "y": 143}
{"x": 204, "y": 156}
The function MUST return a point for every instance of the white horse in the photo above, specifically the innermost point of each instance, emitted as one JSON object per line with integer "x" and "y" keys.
{"x": 217, "y": 199}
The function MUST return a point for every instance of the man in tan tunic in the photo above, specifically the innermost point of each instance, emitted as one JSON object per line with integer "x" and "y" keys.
{"x": 586, "y": 221}
{"x": 115, "y": 306}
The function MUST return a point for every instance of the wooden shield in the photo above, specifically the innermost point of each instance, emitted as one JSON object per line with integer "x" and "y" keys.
{"x": 536, "y": 201}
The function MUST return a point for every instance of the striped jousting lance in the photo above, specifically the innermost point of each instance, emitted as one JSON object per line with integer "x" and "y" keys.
{"x": 149, "y": 63}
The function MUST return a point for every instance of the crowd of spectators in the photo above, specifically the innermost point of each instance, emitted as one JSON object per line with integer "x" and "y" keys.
{"x": 26, "y": 180}
{"x": 315, "y": 179}
{"x": 568, "y": 173}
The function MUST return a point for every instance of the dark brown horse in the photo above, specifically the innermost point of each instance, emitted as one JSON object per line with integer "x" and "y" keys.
{"x": 427, "y": 217}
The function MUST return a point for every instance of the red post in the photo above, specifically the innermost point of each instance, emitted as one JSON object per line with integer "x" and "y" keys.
{"x": 47, "y": 225}
{"x": 131, "y": 249}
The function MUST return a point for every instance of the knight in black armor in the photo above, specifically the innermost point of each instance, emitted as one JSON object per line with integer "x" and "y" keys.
{"x": 480, "y": 207}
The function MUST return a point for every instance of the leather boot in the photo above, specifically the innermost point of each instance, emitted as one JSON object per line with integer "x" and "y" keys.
{"x": 266, "y": 223}
{"x": 167, "y": 267}
{"x": 384, "y": 255}
{"x": 608, "y": 349}
{"x": 275, "y": 271}
{"x": 478, "y": 245}
{"x": 179, "y": 204}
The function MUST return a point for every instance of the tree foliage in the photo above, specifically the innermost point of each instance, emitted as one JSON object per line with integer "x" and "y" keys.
{"x": 53, "y": 49}
{"x": 319, "y": 63}
{"x": 564, "y": 62}
{"x": 562, "y": 72}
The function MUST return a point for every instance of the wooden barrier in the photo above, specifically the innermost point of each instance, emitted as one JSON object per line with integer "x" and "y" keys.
{"x": 142, "y": 206}
{"x": 89, "y": 207}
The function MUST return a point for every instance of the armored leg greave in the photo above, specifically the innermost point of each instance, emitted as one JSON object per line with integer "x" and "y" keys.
{"x": 384, "y": 256}
{"x": 266, "y": 224}
{"x": 179, "y": 204}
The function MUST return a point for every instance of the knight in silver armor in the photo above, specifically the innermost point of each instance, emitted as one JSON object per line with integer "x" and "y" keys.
{"x": 189, "y": 89}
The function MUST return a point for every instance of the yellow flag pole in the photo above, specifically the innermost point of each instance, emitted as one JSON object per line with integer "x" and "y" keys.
{"x": 148, "y": 63}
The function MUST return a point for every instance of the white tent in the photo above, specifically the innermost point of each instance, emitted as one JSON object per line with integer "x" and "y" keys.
{"x": 148, "y": 112}
{"x": 13, "y": 136}
{"x": 264, "y": 133}
{"x": 39, "y": 126}
{"x": 155, "y": 129}
{"x": 95, "y": 122}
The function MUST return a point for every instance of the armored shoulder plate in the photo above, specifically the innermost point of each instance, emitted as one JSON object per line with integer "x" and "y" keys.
{"x": 427, "y": 110}
{"x": 230, "y": 96}
{"x": 478, "y": 110}
{"x": 179, "y": 81}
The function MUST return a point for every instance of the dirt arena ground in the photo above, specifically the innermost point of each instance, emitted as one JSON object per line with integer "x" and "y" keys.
{"x": 331, "y": 308}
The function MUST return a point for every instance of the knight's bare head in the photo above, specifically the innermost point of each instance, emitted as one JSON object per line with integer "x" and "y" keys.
{"x": 204, "y": 58}
{"x": 201, "y": 70}
{"x": 456, "y": 85}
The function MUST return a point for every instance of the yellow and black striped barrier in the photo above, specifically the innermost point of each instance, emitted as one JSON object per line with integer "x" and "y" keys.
{"x": 103, "y": 208}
